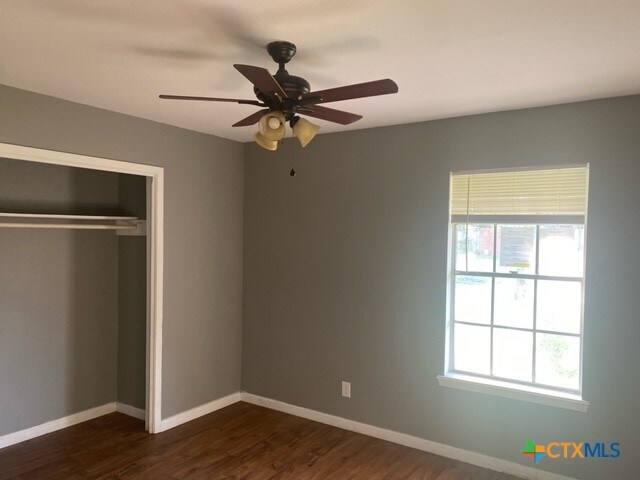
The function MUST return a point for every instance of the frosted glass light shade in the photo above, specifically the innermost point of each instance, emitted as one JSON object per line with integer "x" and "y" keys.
{"x": 266, "y": 143}
{"x": 305, "y": 131}
{"x": 272, "y": 125}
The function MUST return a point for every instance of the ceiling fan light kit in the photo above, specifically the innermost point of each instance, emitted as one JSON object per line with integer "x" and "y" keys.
{"x": 283, "y": 97}
{"x": 272, "y": 128}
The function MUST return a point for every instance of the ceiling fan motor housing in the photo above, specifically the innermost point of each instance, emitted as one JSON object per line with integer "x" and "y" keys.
{"x": 295, "y": 87}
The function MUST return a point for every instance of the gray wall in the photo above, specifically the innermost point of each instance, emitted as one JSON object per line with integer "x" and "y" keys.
{"x": 203, "y": 230}
{"x": 345, "y": 276}
{"x": 132, "y": 297}
{"x": 58, "y": 297}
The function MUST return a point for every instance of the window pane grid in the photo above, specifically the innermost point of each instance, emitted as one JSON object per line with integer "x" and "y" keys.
{"x": 535, "y": 305}
{"x": 527, "y": 276}
{"x": 559, "y": 345}
{"x": 519, "y": 329}
{"x": 493, "y": 288}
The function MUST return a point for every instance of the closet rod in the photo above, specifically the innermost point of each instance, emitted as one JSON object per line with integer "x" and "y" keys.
{"x": 65, "y": 217}
{"x": 73, "y": 222}
{"x": 94, "y": 226}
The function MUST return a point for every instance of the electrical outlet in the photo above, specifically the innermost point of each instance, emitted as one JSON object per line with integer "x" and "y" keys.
{"x": 346, "y": 389}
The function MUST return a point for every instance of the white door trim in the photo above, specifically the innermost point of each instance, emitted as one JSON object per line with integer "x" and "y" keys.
{"x": 155, "y": 232}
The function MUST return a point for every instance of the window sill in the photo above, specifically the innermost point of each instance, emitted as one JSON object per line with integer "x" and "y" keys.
{"x": 518, "y": 392}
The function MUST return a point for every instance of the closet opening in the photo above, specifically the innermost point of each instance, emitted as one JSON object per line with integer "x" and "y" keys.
{"x": 81, "y": 247}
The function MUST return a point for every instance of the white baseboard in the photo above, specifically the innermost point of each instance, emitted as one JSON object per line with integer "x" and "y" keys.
{"x": 197, "y": 412}
{"x": 53, "y": 425}
{"x": 448, "y": 451}
{"x": 134, "y": 412}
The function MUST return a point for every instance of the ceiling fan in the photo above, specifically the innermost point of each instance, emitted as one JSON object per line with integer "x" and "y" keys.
{"x": 283, "y": 97}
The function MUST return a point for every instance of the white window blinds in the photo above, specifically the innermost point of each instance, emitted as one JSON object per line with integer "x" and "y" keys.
{"x": 555, "y": 193}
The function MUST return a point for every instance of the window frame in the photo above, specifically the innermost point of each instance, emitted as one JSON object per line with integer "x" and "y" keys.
{"x": 564, "y": 397}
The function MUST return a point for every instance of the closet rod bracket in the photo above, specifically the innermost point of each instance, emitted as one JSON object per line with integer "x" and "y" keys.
{"x": 139, "y": 231}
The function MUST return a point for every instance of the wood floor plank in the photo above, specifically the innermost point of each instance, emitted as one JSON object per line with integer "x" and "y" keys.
{"x": 240, "y": 442}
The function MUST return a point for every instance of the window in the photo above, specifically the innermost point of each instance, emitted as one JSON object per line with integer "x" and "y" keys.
{"x": 517, "y": 278}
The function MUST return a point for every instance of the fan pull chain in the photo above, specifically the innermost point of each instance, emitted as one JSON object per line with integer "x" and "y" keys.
{"x": 292, "y": 173}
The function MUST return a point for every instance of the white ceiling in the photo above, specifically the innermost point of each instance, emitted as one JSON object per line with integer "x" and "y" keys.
{"x": 448, "y": 57}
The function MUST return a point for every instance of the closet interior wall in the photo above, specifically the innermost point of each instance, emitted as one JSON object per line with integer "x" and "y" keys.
{"x": 62, "y": 321}
{"x": 132, "y": 297}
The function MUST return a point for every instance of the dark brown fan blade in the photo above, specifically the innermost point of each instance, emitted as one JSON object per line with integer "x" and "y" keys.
{"x": 358, "y": 90}
{"x": 212, "y": 99}
{"x": 332, "y": 115}
{"x": 262, "y": 79}
{"x": 251, "y": 119}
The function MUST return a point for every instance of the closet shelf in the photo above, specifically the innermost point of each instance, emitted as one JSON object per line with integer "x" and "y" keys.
{"x": 123, "y": 224}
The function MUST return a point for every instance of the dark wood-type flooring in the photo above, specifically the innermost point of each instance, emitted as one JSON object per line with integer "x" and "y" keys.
{"x": 238, "y": 442}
